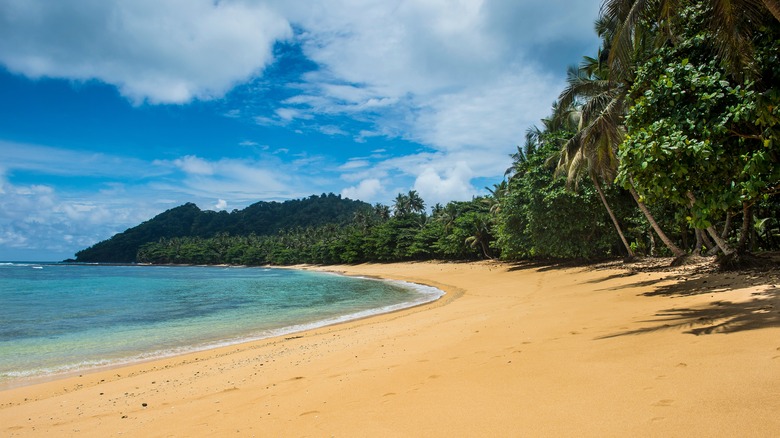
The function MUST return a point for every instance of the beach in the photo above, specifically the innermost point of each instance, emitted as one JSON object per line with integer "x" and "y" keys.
{"x": 510, "y": 350}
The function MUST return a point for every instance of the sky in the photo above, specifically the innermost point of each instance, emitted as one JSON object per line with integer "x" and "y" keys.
{"x": 113, "y": 111}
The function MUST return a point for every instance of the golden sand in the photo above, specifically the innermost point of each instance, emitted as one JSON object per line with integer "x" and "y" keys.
{"x": 509, "y": 351}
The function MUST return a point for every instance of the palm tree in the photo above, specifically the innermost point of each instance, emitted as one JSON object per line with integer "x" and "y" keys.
{"x": 416, "y": 203}
{"x": 496, "y": 194}
{"x": 382, "y": 212}
{"x": 447, "y": 216}
{"x": 533, "y": 141}
{"x": 401, "y": 205}
{"x": 576, "y": 157}
{"x": 481, "y": 236}
{"x": 593, "y": 149}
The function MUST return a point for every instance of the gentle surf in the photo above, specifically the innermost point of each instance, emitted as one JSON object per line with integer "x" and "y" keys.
{"x": 60, "y": 318}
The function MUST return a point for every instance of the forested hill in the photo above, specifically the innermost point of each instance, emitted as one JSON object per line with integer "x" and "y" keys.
{"x": 262, "y": 218}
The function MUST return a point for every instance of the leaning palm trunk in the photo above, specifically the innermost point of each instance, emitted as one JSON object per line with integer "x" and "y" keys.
{"x": 612, "y": 216}
{"x": 699, "y": 241}
{"x": 724, "y": 247}
{"x": 664, "y": 238}
{"x": 747, "y": 222}
{"x": 774, "y": 7}
{"x": 713, "y": 248}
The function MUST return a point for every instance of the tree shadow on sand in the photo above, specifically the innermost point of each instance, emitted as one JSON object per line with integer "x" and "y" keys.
{"x": 762, "y": 311}
{"x": 700, "y": 276}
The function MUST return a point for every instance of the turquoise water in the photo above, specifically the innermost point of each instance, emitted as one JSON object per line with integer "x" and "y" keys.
{"x": 58, "y": 318}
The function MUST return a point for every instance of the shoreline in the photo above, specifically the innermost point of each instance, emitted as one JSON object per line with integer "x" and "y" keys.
{"x": 509, "y": 350}
{"x": 426, "y": 295}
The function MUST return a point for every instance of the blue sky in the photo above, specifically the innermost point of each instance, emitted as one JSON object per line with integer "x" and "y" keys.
{"x": 113, "y": 111}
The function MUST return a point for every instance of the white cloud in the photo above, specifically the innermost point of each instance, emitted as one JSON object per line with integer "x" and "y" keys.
{"x": 221, "y": 204}
{"x": 194, "y": 165}
{"x": 436, "y": 187}
{"x": 332, "y": 130}
{"x": 355, "y": 163}
{"x": 461, "y": 77}
{"x": 365, "y": 191}
{"x": 238, "y": 179}
{"x": 40, "y": 221}
{"x": 161, "y": 51}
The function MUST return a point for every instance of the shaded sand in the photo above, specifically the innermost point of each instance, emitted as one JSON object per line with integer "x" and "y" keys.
{"x": 510, "y": 351}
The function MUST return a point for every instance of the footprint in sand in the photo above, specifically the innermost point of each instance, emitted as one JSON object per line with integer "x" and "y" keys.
{"x": 309, "y": 413}
{"x": 663, "y": 403}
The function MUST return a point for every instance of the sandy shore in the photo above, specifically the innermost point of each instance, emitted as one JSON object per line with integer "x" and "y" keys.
{"x": 510, "y": 351}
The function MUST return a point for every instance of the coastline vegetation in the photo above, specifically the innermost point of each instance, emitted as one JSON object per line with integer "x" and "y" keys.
{"x": 664, "y": 142}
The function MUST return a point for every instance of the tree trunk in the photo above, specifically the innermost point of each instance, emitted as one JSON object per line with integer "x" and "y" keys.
{"x": 653, "y": 252}
{"x": 774, "y": 8}
{"x": 485, "y": 250}
{"x": 699, "y": 241}
{"x": 612, "y": 216}
{"x": 727, "y": 227}
{"x": 713, "y": 233}
{"x": 727, "y": 250}
{"x": 664, "y": 238}
{"x": 712, "y": 248}
{"x": 747, "y": 222}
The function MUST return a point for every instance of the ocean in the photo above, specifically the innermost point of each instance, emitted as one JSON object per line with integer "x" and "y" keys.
{"x": 63, "y": 318}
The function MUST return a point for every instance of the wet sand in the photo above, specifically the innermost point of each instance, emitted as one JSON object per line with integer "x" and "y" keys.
{"x": 511, "y": 350}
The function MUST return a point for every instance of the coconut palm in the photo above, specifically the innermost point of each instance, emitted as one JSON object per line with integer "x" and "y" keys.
{"x": 576, "y": 158}
{"x": 496, "y": 193}
{"x": 382, "y": 212}
{"x": 533, "y": 142}
{"x": 416, "y": 203}
{"x": 410, "y": 203}
{"x": 599, "y": 131}
{"x": 401, "y": 206}
{"x": 480, "y": 236}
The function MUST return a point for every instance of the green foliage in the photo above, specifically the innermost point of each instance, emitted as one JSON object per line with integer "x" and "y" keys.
{"x": 541, "y": 218}
{"x": 262, "y": 218}
{"x": 694, "y": 130}
{"x": 370, "y": 236}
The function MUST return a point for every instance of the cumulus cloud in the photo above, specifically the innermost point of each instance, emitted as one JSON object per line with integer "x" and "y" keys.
{"x": 37, "y": 220}
{"x": 463, "y": 76}
{"x": 442, "y": 187}
{"x": 221, "y": 204}
{"x": 365, "y": 191}
{"x": 161, "y": 51}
